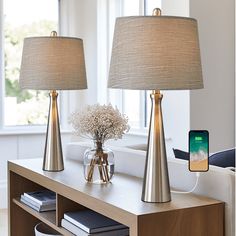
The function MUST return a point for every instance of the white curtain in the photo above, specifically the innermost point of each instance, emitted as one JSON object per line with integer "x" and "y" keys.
{"x": 67, "y": 17}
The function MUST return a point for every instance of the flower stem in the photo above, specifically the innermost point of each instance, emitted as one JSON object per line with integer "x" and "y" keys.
{"x": 91, "y": 170}
{"x": 100, "y": 161}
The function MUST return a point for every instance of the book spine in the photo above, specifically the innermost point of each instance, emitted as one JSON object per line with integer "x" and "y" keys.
{"x": 93, "y": 230}
{"x": 108, "y": 228}
{"x": 30, "y": 205}
{"x": 79, "y": 232}
{"x": 72, "y": 228}
{"x": 76, "y": 223}
{"x": 30, "y": 201}
{"x": 39, "y": 208}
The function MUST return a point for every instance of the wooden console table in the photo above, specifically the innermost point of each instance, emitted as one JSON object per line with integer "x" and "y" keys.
{"x": 185, "y": 215}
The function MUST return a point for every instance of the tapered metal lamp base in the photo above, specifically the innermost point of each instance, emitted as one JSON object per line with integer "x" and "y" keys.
{"x": 53, "y": 158}
{"x": 156, "y": 186}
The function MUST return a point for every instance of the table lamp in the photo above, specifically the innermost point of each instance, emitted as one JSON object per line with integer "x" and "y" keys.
{"x": 155, "y": 53}
{"x": 53, "y": 63}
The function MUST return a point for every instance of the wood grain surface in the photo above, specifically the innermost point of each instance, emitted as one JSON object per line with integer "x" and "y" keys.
{"x": 185, "y": 215}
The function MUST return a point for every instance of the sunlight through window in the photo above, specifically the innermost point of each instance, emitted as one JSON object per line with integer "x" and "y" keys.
{"x": 25, "y": 18}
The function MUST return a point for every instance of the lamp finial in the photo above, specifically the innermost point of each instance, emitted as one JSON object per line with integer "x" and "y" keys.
{"x": 53, "y": 33}
{"x": 156, "y": 12}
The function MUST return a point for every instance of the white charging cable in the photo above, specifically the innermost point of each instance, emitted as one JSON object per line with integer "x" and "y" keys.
{"x": 194, "y": 187}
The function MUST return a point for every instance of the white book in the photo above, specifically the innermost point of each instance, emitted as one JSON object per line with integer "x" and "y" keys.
{"x": 37, "y": 207}
{"x": 92, "y": 222}
{"x": 49, "y": 205}
{"x": 44, "y": 197}
{"x": 79, "y": 232}
{"x": 29, "y": 204}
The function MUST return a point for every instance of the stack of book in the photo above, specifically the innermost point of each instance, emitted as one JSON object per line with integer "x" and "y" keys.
{"x": 40, "y": 201}
{"x": 88, "y": 222}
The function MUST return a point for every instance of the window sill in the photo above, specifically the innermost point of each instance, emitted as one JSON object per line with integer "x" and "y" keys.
{"x": 135, "y": 133}
{"x": 138, "y": 132}
{"x": 15, "y": 132}
{"x": 142, "y": 133}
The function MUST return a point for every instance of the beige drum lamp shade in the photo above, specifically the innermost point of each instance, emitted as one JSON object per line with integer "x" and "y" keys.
{"x": 151, "y": 52}
{"x": 53, "y": 63}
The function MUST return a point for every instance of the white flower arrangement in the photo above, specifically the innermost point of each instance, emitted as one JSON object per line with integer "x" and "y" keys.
{"x": 99, "y": 122}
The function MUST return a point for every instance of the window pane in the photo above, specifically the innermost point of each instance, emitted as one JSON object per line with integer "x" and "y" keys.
{"x": 147, "y": 107}
{"x": 152, "y": 4}
{"x": 131, "y": 7}
{"x": 131, "y": 98}
{"x": 25, "y": 18}
{"x": 135, "y": 104}
{"x": 131, "y": 107}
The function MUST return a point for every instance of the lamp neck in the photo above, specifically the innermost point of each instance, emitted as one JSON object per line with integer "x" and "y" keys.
{"x": 53, "y": 93}
{"x": 156, "y": 94}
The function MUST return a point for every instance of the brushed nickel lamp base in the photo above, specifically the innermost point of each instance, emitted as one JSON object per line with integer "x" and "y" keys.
{"x": 53, "y": 158}
{"x": 156, "y": 187}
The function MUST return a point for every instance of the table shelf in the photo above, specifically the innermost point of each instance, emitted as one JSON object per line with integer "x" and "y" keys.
{"x": 48, "y": 217}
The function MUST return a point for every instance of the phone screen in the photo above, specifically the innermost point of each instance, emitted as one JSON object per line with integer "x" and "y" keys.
{"x": 198, "y": 150}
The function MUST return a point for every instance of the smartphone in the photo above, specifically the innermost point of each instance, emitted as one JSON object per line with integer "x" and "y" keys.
{"x": 198, "y": 150}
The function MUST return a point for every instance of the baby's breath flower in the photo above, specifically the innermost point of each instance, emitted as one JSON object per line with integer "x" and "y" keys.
{"x": 99, "y": 122}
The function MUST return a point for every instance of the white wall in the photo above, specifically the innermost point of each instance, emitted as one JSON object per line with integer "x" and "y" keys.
{"x": 175, "y": 7}
{"x": 213, "y": 108}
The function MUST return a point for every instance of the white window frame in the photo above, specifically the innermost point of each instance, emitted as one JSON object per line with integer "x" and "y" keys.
{"x": 114, "y": 96}
{"x": 1, "y": 66}
{"x": 63, "y": 100}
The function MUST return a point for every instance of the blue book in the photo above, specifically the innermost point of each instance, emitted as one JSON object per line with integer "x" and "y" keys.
{"x": 44, "y": 197}
{"x": 92, "y": 222}
{"x": 79, "y": 232}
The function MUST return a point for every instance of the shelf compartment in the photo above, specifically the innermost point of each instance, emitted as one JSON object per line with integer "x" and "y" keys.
{"x": 22, "y": 185}
{"x": 65, "y": 205}
{"x": 48, "y": 217}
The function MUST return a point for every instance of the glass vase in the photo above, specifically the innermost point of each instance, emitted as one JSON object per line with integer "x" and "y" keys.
{"x": 99, "y": 164}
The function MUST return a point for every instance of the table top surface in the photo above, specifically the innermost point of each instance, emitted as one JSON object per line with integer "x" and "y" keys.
{"x": 123, "y": 193}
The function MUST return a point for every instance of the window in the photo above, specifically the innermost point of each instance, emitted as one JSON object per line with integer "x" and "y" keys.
{"x": 24, "y": 18}
{"x": 135, "y": 104}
